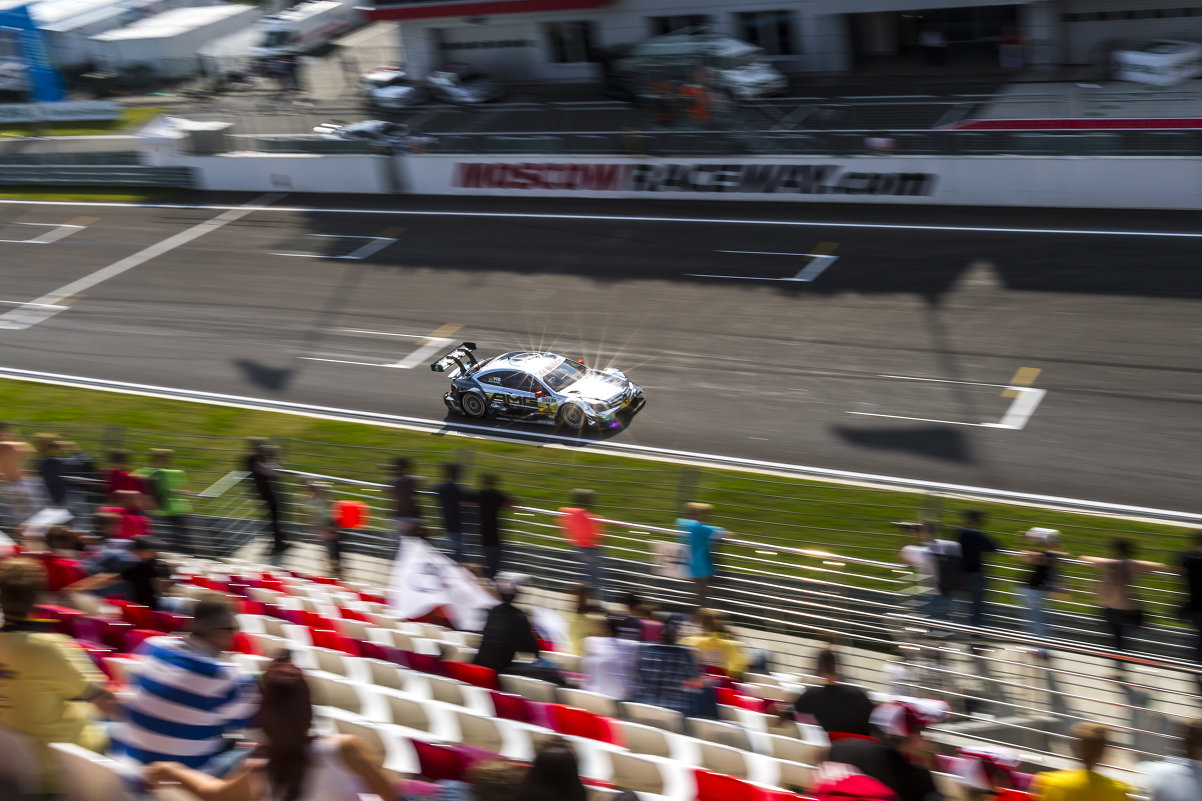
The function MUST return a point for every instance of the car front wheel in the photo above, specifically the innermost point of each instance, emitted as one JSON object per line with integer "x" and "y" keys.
{"x": 473, "y": 404}
{"x": 573, "y": 417}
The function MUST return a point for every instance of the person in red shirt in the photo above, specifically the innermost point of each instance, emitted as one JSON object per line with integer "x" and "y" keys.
{"x": 130, "y": 509}
{"x": 62, "y": 567}
{"x": 119, "y": 479}
{"x": 585, "y": 531}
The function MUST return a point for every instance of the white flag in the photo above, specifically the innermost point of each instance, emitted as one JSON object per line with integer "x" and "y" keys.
{"x": 424, "y": 579}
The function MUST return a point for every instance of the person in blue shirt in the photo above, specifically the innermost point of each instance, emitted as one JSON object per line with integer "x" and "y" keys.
{"x": 698, "y": 540}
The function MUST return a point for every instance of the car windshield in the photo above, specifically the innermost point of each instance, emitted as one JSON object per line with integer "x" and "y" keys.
{"x": 563, "y": 375}
{"x": 275, "y": 38}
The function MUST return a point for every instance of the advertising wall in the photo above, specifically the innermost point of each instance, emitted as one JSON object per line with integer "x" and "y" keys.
{"x": 1137, "y": 182}
{"x": 23, "y": 56}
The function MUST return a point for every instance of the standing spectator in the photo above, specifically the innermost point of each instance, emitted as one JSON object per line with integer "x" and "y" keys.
{"x": 667, "y": 673}
{"x": 262, "y": 466}
{"x": 15, "y": 501}
{"x": 1090, "y": 741}
{"x": 507, "y": 632}
{"x": 491, "y": 501}
{"x": 451, "y": 497}
{"x": 404, "y": 497}
{"x": 1191, "y": 571}
{"x": 49, "y": 683}
{"x": 186, "y": 695}
{"x": 53, "y": 467}
{"x": 698, "y": 539}
{"x": 1043, "y": 580}
{"x": 839, "y": 709}
{"x": 901, "y": 759}
{"x": 291, "y": 764}
{"x": 584, "y": 531}
{"x": 719, "y": 651}
{"x": 1120, "y": 608}
{"x": 1178, "y": 778}
{"x": 164, "y": 485}
{"x": 119, "y": 478}
{"x": 974, "y": 544}
{"x": 325, "y": 528}
{"x": 937, "y": 563}
{"x": 145, "y": 576}
{"x": 609, "y": 661}
{"x": 554, "y": 774}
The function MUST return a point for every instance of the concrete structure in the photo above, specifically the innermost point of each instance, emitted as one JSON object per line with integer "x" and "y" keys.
{"x": 69, "y": 24}
{"x": 562, "y": 41}
{"x": 168, "y": 42}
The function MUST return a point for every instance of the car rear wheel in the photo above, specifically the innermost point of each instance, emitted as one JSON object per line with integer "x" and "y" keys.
{"x": 572, "y": 416}
{"x": 473, "y": 404}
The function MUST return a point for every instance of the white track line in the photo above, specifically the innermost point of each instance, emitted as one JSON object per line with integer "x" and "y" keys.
{"x": 1026, "y": 401}
{"x": 61, "y": 231}
{"x": 45, "y": 307}
{"x": 573, "y": 443}
{"x": 515, "y": 215}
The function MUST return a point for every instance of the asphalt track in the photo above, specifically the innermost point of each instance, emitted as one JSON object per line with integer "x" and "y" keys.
{"x": 1027, "y": 350}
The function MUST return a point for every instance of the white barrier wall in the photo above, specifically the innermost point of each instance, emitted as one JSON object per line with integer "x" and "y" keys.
{"x": 1117, "y": 182}
{"x": 291, "y": 172}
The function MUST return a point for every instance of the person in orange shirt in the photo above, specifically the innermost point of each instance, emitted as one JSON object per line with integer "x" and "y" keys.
{"x": 585, "y": 531}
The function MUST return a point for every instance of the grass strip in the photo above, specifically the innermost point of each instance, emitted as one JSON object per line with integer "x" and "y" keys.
{"x": 130, "y": 119}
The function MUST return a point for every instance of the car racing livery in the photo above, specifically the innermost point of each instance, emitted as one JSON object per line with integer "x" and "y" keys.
{"x": 531, "y": 385}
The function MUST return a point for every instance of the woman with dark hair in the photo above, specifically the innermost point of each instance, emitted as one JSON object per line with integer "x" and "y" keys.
{"x": 554, "y": 775}
{"x": 291, "y": 765}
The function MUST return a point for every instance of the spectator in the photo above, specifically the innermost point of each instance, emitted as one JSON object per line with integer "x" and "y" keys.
{"x": 584, "y": 531}
{"x": 1191, "y": 571}
{"x": 118, "y": 478}
{"x": 495, "y": 779}
{"x": 186, "y": 695}
{"x": 582, "y": 622}
{"x": 129, "y": 510}
{"x": 630, "y": 625}
{"x": 451, "y": 497}
{"x": 1178, "y": 778}
{"x": 937, "y": 563}
{"x": 974, "y": 545}
{"x": 53, "y": 467}
{"x": 667, "y": 673}
{"x": 61, "y": 560}
{"x": 900, "y": 758}
{"x": 839, "y": 709}
{"x": 491, "y": 501}
{"x": 290, "y": 765}
{"x": 609, "y": 661}
{"x": 49, "y": 683}
{"x": 404, "y": 490}
{"x": 325, "y": 528}
{"x": 1089, "y": 744}
{"x": 717, "y": 648}
{"x": 145, "y": 577}
{"x": 987, "y": 771}
{"x": 507, "y": 632}
{"x": 1043, "y": 580}
{"x": 263, "y": 468}
{"x": 698, "y": 540}
{"x": 15, "y": 501}
{"x": 1120, "y": 608}
{"x": 113, "y": 556}
{"x": 164, "y": 485}
{"x": 554, "y": 774}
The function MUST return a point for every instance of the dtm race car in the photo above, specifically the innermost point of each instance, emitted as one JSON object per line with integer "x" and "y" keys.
{"x": 528, "y": 385}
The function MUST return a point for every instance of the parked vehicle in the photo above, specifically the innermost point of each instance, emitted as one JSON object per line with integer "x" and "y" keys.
{"x": 305, "y": 27}
{"x": 1161, "y": 62}
{"x": 389, "y": 88}
{"x": 459, "y": 83}
{"x": 734, "y": 66}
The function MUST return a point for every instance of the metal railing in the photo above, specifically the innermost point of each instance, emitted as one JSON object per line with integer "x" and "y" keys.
{"x": 96, "y": 175}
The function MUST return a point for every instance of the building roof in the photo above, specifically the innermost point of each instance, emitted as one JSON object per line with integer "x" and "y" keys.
{"x": 434, "y": 9}
{"x": 174, "y": 22}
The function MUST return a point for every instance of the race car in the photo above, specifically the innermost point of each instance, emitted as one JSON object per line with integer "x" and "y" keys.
{"x": 544, "y": 387}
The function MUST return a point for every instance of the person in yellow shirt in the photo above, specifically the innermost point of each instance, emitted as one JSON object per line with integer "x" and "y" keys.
{"x": 48, "y": 684}
{"x": 1089, "y": 744}
{"x": 718, "y": 649}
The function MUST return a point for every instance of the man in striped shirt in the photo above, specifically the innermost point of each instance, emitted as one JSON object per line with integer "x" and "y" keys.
{"x": 186, "y": 696}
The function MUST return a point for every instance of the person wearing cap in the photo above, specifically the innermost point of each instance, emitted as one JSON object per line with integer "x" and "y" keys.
{"x": 1090, "y": 741}
{"x": 145, "y": 577}
{"x": 840, "y": 709}
{"x": 900, "y": 757}
{"x": 986, "y": 771}
{"x": 1043, "y": 579}
{"x": 507, "y": 631}
{"x": 667, "y": 673}
{"x": 698, "y": 539}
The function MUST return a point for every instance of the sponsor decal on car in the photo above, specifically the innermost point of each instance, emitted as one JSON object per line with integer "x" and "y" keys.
{"x": 801, "y": 179}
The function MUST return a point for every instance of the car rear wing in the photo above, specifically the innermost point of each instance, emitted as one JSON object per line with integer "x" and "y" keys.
{"x": 458, "y": 362}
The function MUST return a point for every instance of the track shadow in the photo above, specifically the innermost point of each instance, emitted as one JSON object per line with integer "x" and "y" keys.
{"x": 274, "y": 379}
{"x": 939, "y": 442}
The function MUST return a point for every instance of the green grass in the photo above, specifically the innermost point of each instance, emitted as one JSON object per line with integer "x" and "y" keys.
{"x": 84, "y": 193}
{"x": 130, "y": 119}
{"x": 850, "y": 521}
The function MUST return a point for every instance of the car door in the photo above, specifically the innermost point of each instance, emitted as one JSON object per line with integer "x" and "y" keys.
{"x": 520, "y": 389}
{"x": 494, "y": 387}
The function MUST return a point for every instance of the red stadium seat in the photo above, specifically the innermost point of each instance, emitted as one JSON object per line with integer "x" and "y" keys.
{"x": 476, "y": 675}
{"x": 351, "y": 614}
{"x": 323, "y": 638}
{"x": 438, "y": 762}
{"x": 64, "y": 617}
{"x": 512, "y": 707}
{"x": 168, "y": 622}
{"x": 135, "y": 637}
{"x": 112, "y": 632}
{"x": 576, "y": 722}
{"x": 740, "y": 700}
{"x": 137, "y": 615}
{"x": 720, "y": 787}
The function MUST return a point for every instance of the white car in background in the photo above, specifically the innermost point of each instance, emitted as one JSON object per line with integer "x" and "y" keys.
{"x": 459, "y": 83}
{"x": 391, "y": 88}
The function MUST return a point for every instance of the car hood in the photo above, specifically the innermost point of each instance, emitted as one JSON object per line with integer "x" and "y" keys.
{"x": 598, "y": 385}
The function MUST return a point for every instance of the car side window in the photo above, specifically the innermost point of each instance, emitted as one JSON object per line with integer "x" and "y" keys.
{"x": 519, "y": 381}
{"x": 497, "y": 378}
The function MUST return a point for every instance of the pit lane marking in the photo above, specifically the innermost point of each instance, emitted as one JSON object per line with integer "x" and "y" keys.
{"x": 59, "y": 231}
{"x": 819, "y": 260}
{"x": 1018, "y": 413}
{"x": 434, "y": 342}
{"x": 377, "y": 244}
